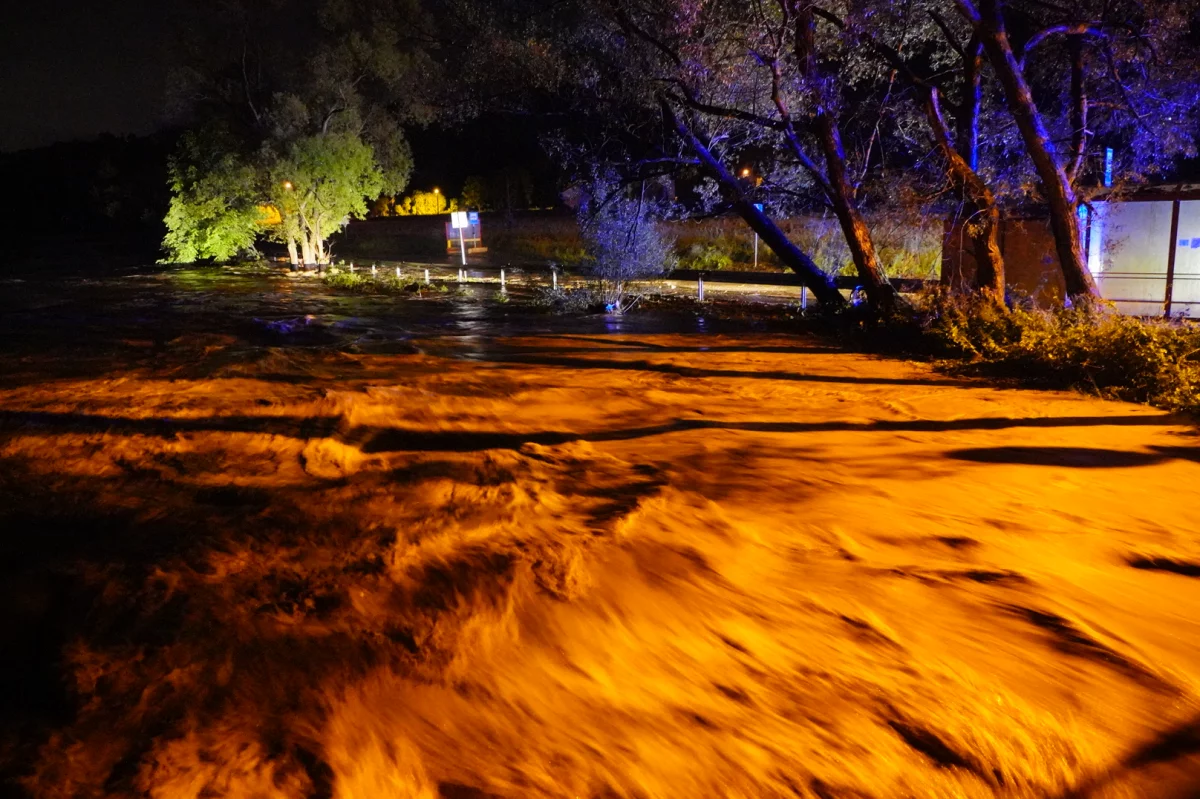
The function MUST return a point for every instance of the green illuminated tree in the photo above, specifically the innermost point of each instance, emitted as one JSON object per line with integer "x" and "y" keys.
{"x": 313, "y": 122}
{"x": 215, "y": 211}
{"x": 426, "y": 203}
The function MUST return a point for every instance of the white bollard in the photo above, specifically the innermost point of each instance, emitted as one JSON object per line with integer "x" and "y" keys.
{"x": 373, "y": 272}
{"x": 804, "y": 298}
{"x": 397, "y": 273}
{"x": 700, "y": 288}
{"x": 460, "y": 275}
{"x": 426, "y": 275}
{"x": 502, "y": 277}
{"x": 554, "y": 276}
{"x": 352, "y": 267}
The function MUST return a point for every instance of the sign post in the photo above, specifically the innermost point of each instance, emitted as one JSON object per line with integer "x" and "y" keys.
{"x": 458, "y": 221}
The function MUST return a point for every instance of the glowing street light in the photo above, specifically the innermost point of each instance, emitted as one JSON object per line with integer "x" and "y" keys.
{"x": 436, "y": 190}
{"x": 287, "y": 185}
{"x": 746, "y": 172}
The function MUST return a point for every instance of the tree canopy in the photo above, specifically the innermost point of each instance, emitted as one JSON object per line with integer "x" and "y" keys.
{"x": 299, "y": 113}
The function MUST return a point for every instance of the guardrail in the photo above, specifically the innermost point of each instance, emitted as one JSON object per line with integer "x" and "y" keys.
{"x": 903, "y": 285}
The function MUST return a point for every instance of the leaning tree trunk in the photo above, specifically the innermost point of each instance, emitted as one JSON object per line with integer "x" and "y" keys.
{"x": 984, "y": 228}
{"x": 835, "y": 182}
{"x": 1060, "y": 197}
{"x": 821, "y": 285}
{"x": 293, "y": 255}
{"x": 880, "y": 292}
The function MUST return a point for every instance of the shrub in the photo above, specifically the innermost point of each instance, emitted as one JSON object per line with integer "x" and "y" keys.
{"x": 1089, "y": 346}
{"x": 705, "y": 256}
{"x": 383, "y": 282}
{"x": 623, "y": 241}
{"x": 574, "y": 300}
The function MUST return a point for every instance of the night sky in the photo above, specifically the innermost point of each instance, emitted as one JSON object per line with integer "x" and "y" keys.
{"x": 75, "y": 69}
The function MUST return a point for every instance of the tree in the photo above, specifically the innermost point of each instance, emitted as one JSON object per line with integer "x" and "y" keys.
{"x": 426, "y": 203}
{"x": 317, "y": 123}
{"x": 622, "y": 238}
{"x": 215, "y": 210}
{"x": 474, "y": 193}
{"x": 779, "y": 74}
{"x": 948, "y": 63}
{"x": 1133, "y": 62}
{"x": 321, "y": 183}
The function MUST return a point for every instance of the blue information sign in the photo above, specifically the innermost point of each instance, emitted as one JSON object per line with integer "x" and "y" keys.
{"x": 473, "y": 217}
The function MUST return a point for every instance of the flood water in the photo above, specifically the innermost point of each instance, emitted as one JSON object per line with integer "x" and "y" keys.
{"x": 261, "y": 539}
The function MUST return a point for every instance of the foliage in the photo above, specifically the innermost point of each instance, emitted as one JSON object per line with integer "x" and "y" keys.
{"x": 1090, "y": 347}
{"x": 506, "y": 189}
{"x": 576, "y": 300}
{"x": 622, "y": 240}
{"x": 363, "y": 281}
{"x": 703, "y": 256}
{"x": 214, "y": 211}
{"x": 312, "y": 120}
{"x": 425, "y": 203}
{"x": 474, "y": 193}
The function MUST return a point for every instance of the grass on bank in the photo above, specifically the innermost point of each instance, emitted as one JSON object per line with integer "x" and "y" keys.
{"x": 363, "y": 281}
{"x": 1089, "y": 347}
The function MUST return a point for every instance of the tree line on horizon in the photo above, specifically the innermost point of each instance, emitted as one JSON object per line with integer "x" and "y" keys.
{"x": 964, "y": 108}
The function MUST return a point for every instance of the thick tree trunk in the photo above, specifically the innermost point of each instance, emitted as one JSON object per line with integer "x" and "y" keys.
{"x": 307, "y": 250}
{"x": 858, "y": 236}
{"x": 318, "y": 240}
{"x": 835, "y": 182}
{"x": 984, "y": 226}
{"x": 989, "y": 24}
{"x": 821, "y": 285}
{"x": 293, "y": 255}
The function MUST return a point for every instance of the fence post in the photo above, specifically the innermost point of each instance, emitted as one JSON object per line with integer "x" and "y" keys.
{"x": 700, "y": 287}
{"x": 804, "y": 298}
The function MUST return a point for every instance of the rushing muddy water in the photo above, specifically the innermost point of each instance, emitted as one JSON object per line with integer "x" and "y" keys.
{"x": 259, "y": 540}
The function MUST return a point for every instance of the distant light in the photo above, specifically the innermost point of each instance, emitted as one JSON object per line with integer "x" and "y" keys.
{"x": 746, "y": 172}
{"x": 287, "y": 184}
{"x": 436, "y": 190}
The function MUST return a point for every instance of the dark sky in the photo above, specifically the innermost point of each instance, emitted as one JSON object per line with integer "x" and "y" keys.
{"x": 72, "y": 69}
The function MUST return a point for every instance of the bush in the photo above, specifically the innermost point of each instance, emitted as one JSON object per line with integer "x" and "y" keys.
{"x": 569, "y": 301}
{"x": 1089, "y": 347}
{"x": 623, "y": 243}
{"x": 383, "y": 282}
{"x": 705, "y": 257}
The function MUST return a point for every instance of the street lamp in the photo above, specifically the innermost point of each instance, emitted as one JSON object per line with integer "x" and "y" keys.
{"x": 746, "y": 172}
{"x": 436, "y": 190}
{"x": 287, "y": 185}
